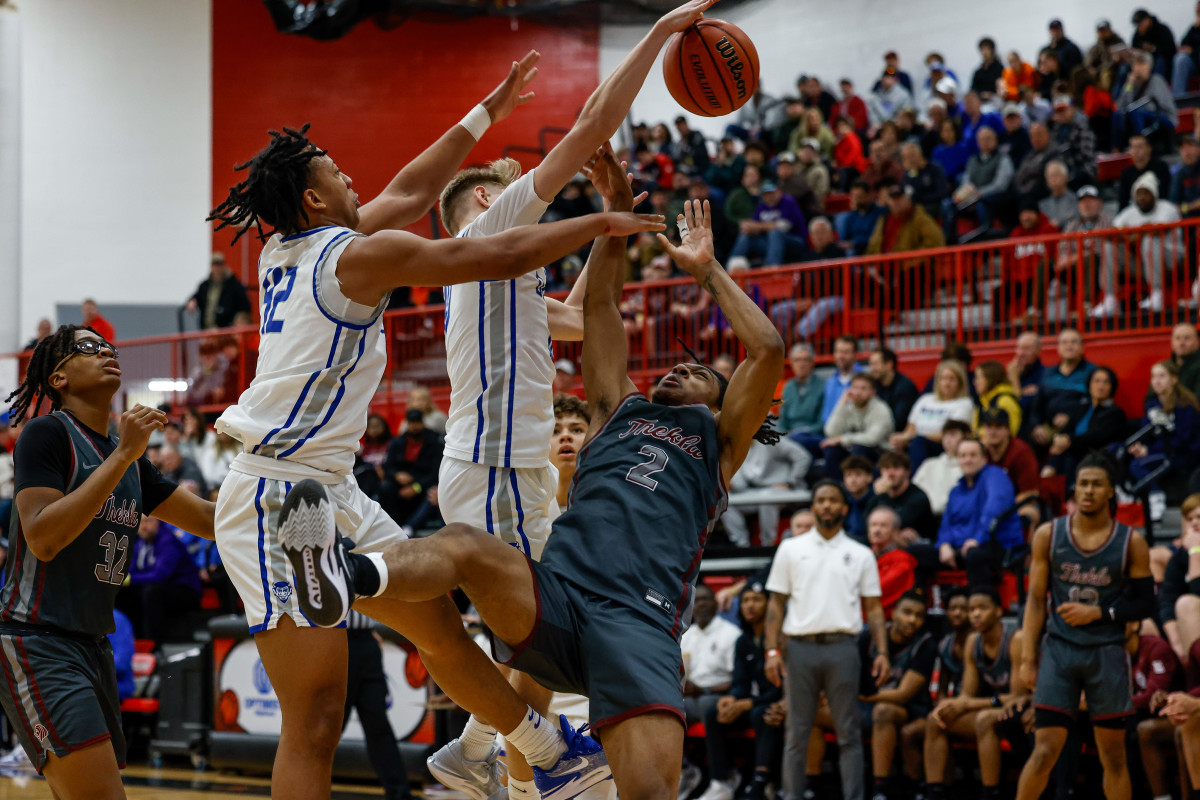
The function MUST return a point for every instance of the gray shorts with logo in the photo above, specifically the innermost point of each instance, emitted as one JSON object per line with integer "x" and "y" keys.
{"x": 1099, "y": 672}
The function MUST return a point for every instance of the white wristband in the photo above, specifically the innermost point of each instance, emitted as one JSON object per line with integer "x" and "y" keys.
{"x": 477, "y": 121}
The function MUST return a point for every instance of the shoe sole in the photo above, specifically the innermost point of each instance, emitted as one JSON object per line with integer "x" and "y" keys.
{"x": 308, "y": 535}
{"x": 458, "y": 783}
{"x": 576, "y": 789}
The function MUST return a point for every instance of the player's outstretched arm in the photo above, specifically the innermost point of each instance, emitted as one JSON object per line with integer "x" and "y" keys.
{"x": 610, "y": 103}
{"x": 752, "y": 387}
{"x": 1034, "y": 620}
{"x": 372, "y": 266}
{"x": 416, "y": 188}
{"x": 605, "y": 346}
{"x": 188, "y": 512}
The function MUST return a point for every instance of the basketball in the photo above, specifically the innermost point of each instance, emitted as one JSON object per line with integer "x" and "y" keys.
{"x": 711, "y": 68}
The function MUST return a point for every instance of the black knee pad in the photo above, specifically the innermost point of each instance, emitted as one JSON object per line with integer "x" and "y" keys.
{"x": 1052, "y": 718}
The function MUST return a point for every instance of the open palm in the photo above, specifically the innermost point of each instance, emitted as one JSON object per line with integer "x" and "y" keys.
{"x": 695, "y": 251}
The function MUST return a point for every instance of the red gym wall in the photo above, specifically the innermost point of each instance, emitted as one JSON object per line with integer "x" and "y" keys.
{"x": 376, "y": 98}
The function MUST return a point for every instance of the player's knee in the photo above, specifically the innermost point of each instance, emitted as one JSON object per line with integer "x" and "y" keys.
{"x": 985, "y": 722}
{"x": 1187, "y": 606}
{"x": 887, "y": 714}
{"x": 1112, "y": 749}
{"x": 1043, "y": 757}
{"x": 1146, "y": 729}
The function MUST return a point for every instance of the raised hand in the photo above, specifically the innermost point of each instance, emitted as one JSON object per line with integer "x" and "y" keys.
{"x": 686, "y": 15}
{"x": 135, "y": 427}
{"x": 695, "y": 252}
{"x": 626, "y": 223}
{"x": 511, "y": 93}
{"x": 611, "y": 180}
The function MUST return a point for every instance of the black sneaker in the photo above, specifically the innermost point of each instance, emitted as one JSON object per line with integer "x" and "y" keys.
{"x": 310, "y": 541}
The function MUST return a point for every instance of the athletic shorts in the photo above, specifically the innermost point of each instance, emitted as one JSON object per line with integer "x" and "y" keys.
{"x": 247, "y": 528}
{"x": 60, "y": 694}
{"x": 586, "y": 644}
{"x": 1067, "y": 670}
{"x": 518, "y": 505}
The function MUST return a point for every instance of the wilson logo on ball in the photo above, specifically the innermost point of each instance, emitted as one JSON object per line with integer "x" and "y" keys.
{"x": 730, "y": 54}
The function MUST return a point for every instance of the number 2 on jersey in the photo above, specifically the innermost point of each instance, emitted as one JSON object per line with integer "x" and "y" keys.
{"x": 275, "y": 294}
{"x": 114, "y": 551}
{"x": 642, "y": 472}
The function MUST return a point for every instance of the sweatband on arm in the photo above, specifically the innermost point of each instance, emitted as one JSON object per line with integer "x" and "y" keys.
{"x": 1135, "y": 606}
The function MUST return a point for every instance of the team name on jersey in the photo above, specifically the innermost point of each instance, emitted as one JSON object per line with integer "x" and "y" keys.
{"x": 645, "y": 427}
{"x": 1073, "y": 573}
{"x": 127, "y": 514}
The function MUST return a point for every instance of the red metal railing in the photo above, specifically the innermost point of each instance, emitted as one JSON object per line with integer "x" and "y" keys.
{"x": 912, "y": 302}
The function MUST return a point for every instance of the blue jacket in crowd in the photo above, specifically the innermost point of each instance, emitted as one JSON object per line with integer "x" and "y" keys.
{"x": 972, "y": 507}
{"x": 164, "y": 560}
{"x": 1184, "y": 443}
{"x": 122, "y": 643}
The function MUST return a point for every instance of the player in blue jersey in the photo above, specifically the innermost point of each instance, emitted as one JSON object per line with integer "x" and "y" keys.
{"x": 1097, "y": 573}
{"x": 602, "y": 612}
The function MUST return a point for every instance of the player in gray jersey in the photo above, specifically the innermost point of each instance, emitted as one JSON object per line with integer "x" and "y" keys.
{"x": 1097, "y": 573}
{"x": 80, "y": 496}
{"x": 601, "y": 614}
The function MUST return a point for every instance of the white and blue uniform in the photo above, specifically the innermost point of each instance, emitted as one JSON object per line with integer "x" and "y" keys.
{"x": 496, "y": 473}
{"x": 321, "y": 358}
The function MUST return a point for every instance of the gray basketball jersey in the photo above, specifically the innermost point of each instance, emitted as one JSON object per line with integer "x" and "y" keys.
{"x": 1093, "y": 577}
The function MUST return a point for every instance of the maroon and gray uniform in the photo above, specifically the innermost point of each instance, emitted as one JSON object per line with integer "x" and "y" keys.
{"x": 60, "y": 687}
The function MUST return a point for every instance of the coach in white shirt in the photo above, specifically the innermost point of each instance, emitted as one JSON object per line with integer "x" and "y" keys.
{"x": 820, "y": 584}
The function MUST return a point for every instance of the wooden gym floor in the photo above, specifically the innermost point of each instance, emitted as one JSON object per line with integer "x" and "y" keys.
{"x": 143, "y": 783}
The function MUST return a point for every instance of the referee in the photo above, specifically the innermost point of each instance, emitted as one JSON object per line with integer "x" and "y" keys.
{"x": 819, "y": 584}
{"x": 367, "y": 691}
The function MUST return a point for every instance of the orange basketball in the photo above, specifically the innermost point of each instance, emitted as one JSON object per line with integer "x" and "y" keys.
{"x": 711, "y": 69}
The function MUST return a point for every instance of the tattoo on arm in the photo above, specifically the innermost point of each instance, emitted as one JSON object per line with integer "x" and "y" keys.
{"x": 709, "y": 286}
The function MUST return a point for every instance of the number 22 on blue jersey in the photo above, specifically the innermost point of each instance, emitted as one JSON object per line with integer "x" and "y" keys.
{"x": 275, "y": 295}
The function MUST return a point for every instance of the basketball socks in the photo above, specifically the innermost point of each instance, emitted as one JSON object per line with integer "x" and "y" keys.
{"x": 936, "y": 791}
{"x": 538, "y": 739}
{"x": 521, "y": 790}
{"x": 477, "y": 740}
{"x": 369, "y": 574}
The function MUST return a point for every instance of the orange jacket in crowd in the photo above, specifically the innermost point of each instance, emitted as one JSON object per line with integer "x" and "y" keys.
{"x": 1013, "y": 81}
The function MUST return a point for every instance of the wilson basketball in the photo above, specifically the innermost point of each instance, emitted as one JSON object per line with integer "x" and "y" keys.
{"x": 711, "y": 69}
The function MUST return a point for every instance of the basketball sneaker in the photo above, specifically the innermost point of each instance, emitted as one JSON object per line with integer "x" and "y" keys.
{"x": 479, "y": 780}
{"x": 581, "y": 767}
{"x": 310, "y": 541}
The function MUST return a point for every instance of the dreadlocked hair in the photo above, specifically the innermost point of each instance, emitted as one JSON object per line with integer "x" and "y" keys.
{"x": 36, "y": 386}
{"x": 273, "y": 189}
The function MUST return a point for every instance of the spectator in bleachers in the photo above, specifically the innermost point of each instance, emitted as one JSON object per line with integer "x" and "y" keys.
{"x": 182, "y": 471}
{"x": 845, "y": 365}
{"x": 892, "y": 386}
{"x": 1154, "y": 37}
{"x": 1187, "y": 58}
{"x": 1144, "y": 104}
{"x": 793, "y": 184}
{"x": 1157, "y": 672}
{"x": 216, "y": 459}
{"x": 1027, "y": 265}
{"x": 987, "y": 179}
{"x": 1061, "y": 387}
{"x": 661, "y": 140}
{"x": 1144, "y": 161}
{"x": 891, "y": 60}
{"x": 894, "y": 489}
{"x": 812, "y": 126}
{"x": 1015, "y": 458}
{"x": 1060, "y": 206}
{"x": 760, "y": 113}
{"x": 124, "y": 645}
{"x": 691, "y": 150}
{"x": 220, "y": 298}
{"x": 433, "y": 417}
{"x": 741, "y": 202}
{"x": 1159, "y": 251}
{"x": 1179, "y": 591}
{"x": 649, "y": 166}
{"x": 888, "y": 97}
{"x": 904, "y": 697}
{"x": 856, "y": 481}
{"x": 1180, "y": 445}
{"x": 1050, "y": 73}
{"x": 410, "y": 471}
{"x": 1096, "y": 256}
{"x": 909, "y": 127}
{"x": 974, "y": 117}
{"x": 989, "y": 72}
{"x": 1185, "y": 183}
{"x": 163, "y": 580}
{"x": 209, "y": 381}
{"x": 780, "y": 467}
{"x": 1076, "y": 143}
{"x": 1100, "y": 60}
{"x": 848, "y": 158}
{"x": 935, "y": 114}
{"x": 951, "y": 153}
{"x": 374, "y": 444}
{"x": 1069, "y": 55}
{"x": 803, "y": 397}
{"x": 814, "y": 170}
{"x": 1029, "y": 180}
{"x": 1183, "y": 709}
{"x": 859, "y": 425}
{"x": 989, "y": 654}
{"x": 1094, "y": 424}
{"x": 856, "y": 226}
{"x": 995, "y": 390}
{"x": 881, "y": 166}
{"x": 1016, "y": 76}
{"x": 949, "y": 399}
{"x": 897, "y": 567}
{"x": 752, "y": 703}
{"x": 44, "y": 329}
{"x": 946, "y": 90}
{"x": 90, "y": 313}
{"x": 780, "y": 137}
{"x": 982, "y": 498}
{"x": 906, "y": 226}
{"x": 777, "y": 232}
{"x": 814, "y": 95}
{"x": 725, "y": 171}
{"x": 724, "y": 365}
{"x": 822, "y": 246}
{"x": 925, "y": 178}
{"x": 1025, "y": 371}
{"x": 1035, "y": 107}
{"x": 852, "y": 106}
{"x": 193, "y": 434}
{"x": 723, "y": 232}
{"x": 937, "y": 475}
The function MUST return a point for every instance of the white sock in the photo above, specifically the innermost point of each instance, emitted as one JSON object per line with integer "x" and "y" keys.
{"x": 522, "y": 790}
{"x": 1160, "y": 797}
{"x": 538, "y": 739}
{"x": 477, "y": 739}
{"x": 382, "y": 568}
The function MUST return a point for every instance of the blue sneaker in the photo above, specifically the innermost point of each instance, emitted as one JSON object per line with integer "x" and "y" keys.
{"x": 581, "y": 767}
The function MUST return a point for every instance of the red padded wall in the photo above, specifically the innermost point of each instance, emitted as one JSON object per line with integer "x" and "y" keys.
{"x": 377, "y": 98}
